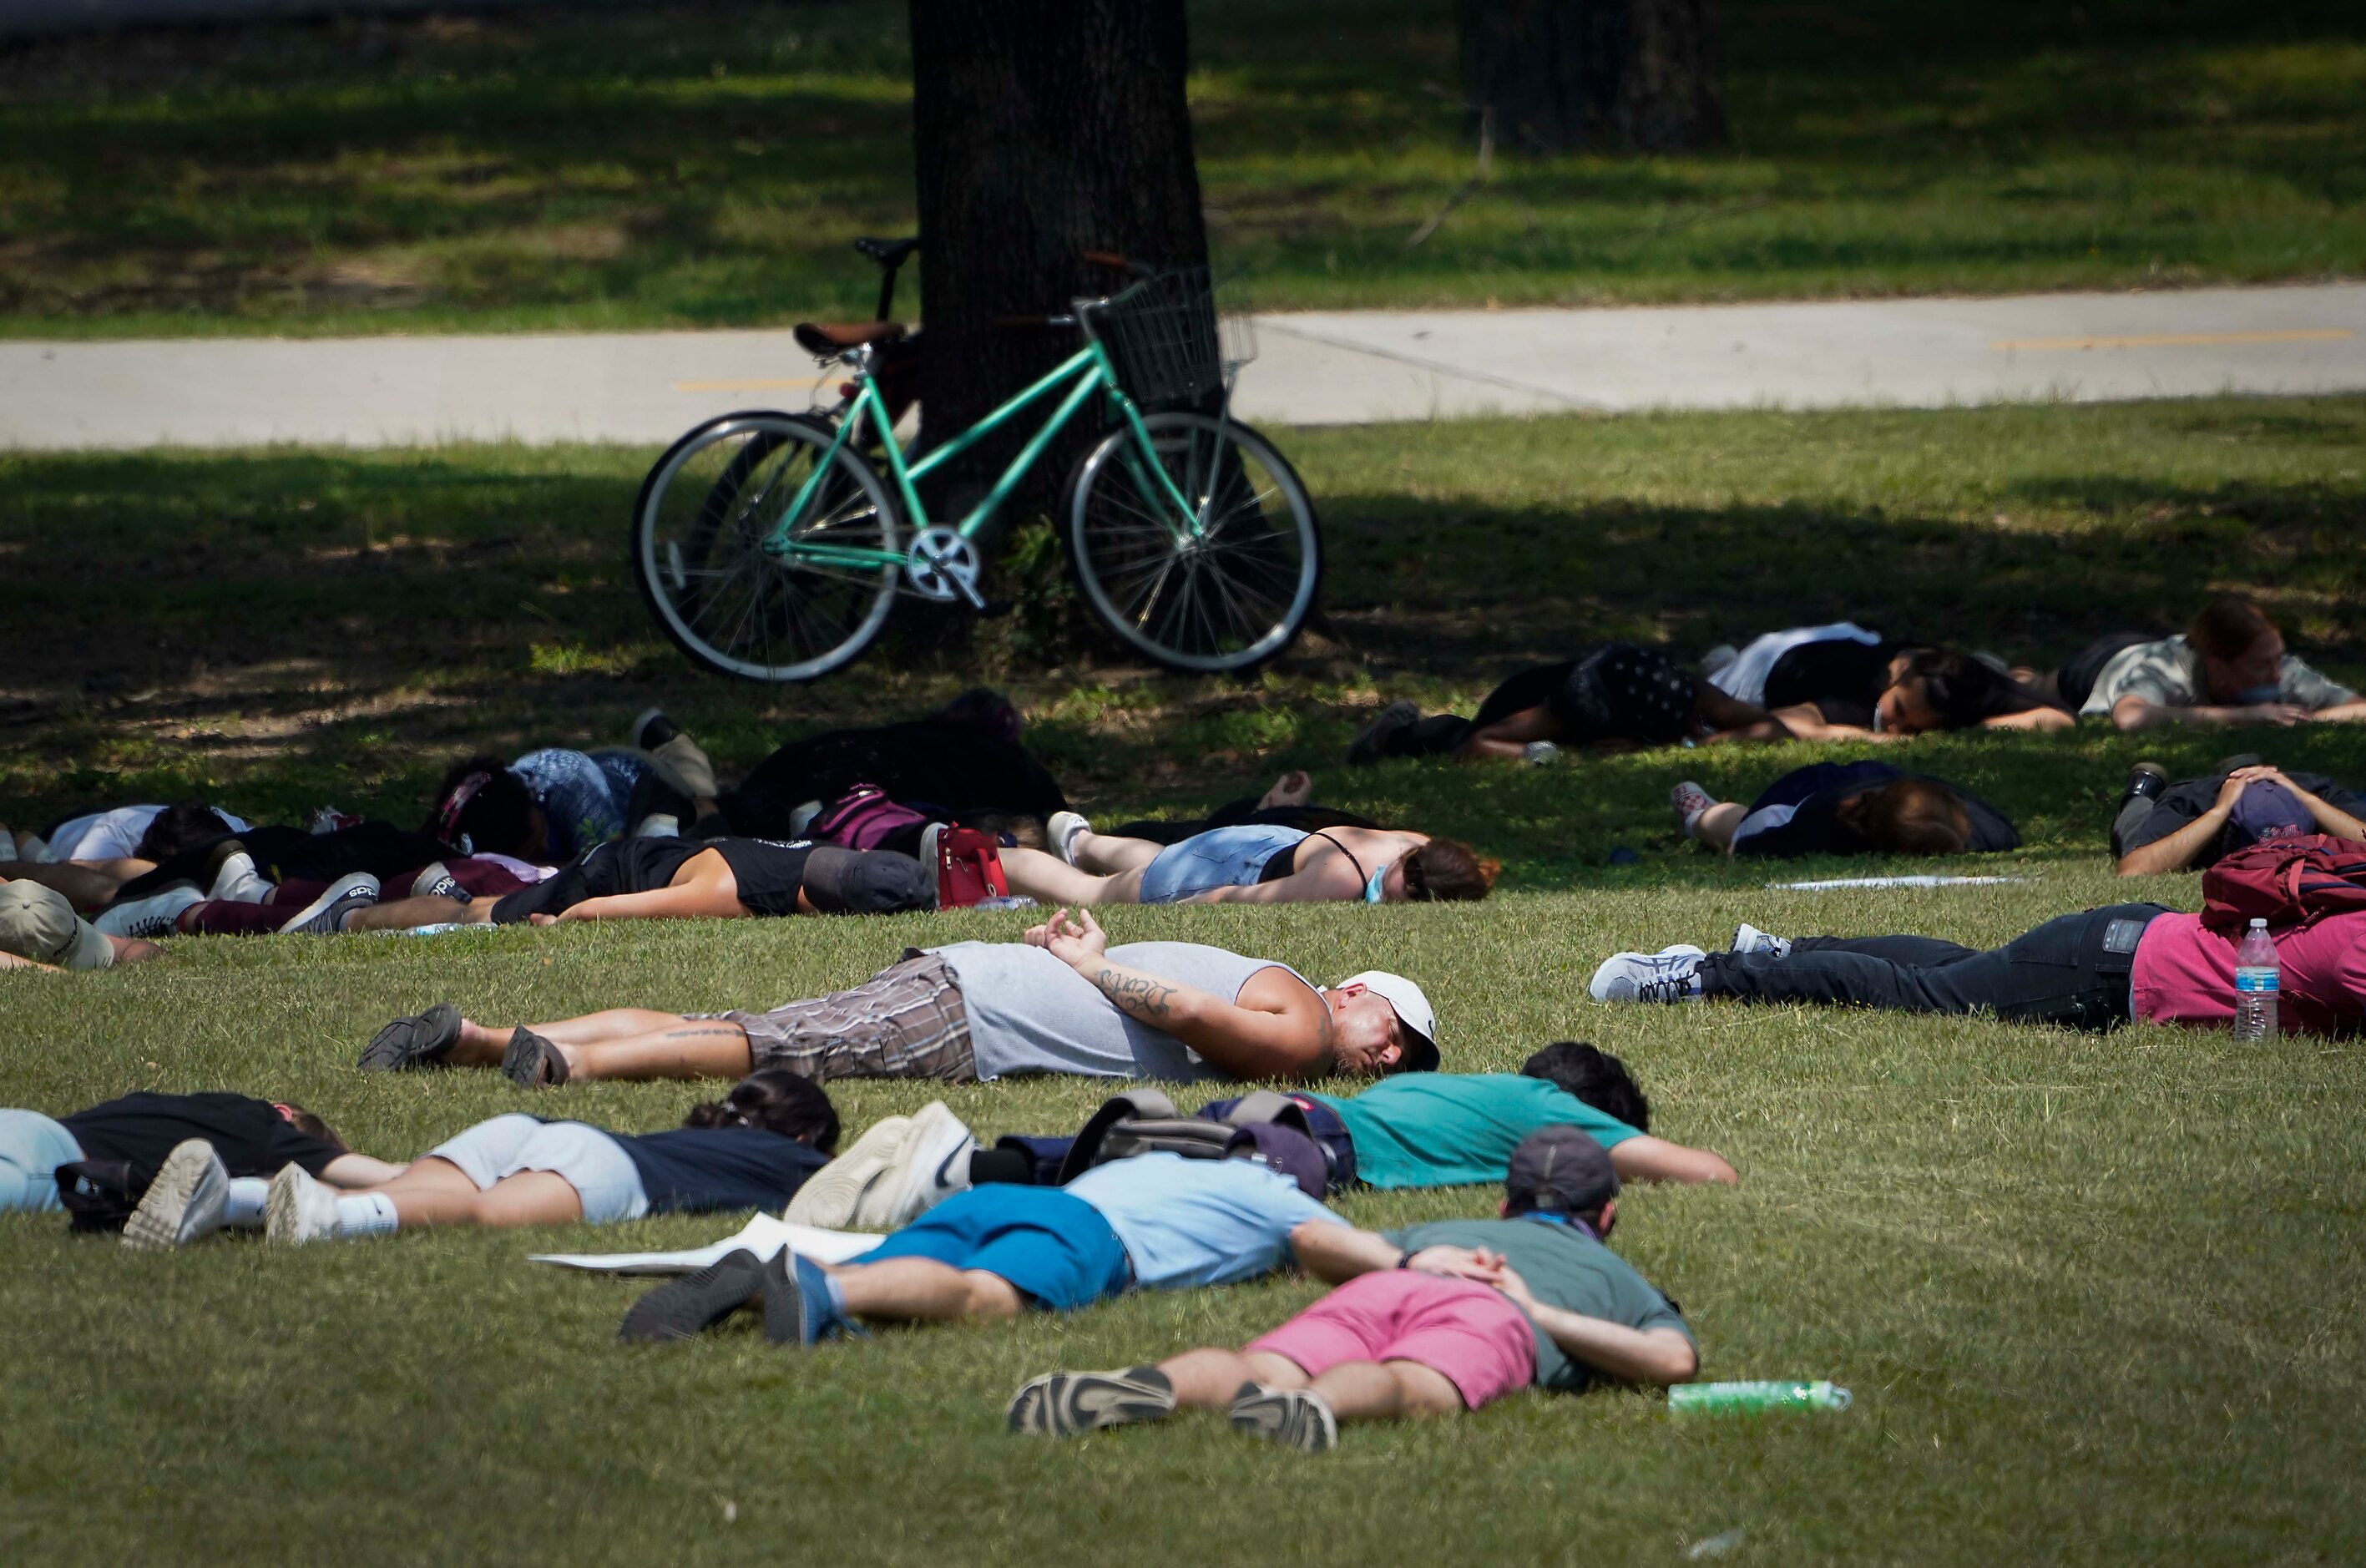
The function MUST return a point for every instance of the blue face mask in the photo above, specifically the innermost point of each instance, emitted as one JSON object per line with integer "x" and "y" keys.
{"x": 2266, "y": 693}
{"x": 1372, "y": 888}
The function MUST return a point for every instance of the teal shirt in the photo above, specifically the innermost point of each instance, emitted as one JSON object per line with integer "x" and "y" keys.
{"x": 1458, "y": 1129}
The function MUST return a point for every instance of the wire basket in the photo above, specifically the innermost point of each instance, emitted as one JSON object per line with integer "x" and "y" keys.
{"x": 1167, "y": 340}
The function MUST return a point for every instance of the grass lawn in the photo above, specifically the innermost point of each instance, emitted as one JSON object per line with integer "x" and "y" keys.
{"x": 704, "y": 164}
{"x": 2094, "y": 1294}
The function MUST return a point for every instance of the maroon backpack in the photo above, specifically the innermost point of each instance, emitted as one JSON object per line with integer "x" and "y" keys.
{"x": 862, "y": 818}
{"x": 2286, "y": 881}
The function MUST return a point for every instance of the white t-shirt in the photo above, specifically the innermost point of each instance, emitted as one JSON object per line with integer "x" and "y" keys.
{"x": 1744, "y": 680}
{"x": 111, "y": 835}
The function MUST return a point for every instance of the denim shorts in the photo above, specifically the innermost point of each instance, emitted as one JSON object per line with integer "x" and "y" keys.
{"x": 601, "y": 1173}
{"x": 1220, "y": 857}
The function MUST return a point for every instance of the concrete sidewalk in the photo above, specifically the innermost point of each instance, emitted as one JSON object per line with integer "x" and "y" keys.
{"x": 1314, "y": 368}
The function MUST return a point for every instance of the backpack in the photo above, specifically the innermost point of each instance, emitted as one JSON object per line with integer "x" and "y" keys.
{"x": 1146, "y": 1121}
{"x": 969, "y": 868}
{"x": 99, "y": 1194}
{"x": 2286, "y": 882}
{"x": 862, "y": 818}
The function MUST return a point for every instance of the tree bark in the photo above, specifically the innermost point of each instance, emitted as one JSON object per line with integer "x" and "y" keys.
{"x": 1041, "y": 129}
{"x": 1634, "y": 76}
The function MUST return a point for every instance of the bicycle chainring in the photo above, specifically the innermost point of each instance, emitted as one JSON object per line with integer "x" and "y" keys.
{"x": 944, "y": 566}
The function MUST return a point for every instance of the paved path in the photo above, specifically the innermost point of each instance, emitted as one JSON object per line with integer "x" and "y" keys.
{"x": 1315, "y": 368}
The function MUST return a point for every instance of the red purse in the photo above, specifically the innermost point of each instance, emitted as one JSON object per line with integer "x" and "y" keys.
{"x": 969, "y": 868}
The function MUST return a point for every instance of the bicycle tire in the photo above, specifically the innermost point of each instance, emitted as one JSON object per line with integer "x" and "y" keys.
{"x": 718, "y": 599}
{"x": 1248, "y": 584}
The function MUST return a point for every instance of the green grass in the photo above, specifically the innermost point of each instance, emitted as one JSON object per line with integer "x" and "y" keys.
{"x": 2096, "y": 1296}
{"x": 704, "y": 165}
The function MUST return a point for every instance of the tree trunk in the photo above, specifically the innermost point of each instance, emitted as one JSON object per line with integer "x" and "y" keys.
{"x": 1041, "y": 129}
{"x": 1637, "y": 75}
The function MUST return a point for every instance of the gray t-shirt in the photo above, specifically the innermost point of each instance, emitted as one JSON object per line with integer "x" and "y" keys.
{"x": 1030, "y": 1013}
{"x": 2168, "y": 673}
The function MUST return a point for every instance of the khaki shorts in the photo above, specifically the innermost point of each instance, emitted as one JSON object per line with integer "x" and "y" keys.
{"x": 906, "y": 1021}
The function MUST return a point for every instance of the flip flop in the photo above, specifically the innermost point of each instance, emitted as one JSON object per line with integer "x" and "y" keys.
{"x": 411, "y": 1045}
{"x": 532, "y": 1061}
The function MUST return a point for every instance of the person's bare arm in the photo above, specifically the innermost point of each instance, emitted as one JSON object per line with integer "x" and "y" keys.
{"x": 356, "y": 1171}
{"x": 2351, "y": 712}
{"x": 2330, "y": 819}
{"x": 11, "y": 961}
{"x": 1321, "y": 883}
{"x": 706, "y": 889}
{"x": 1632, "y": 1355}
{"x": 2041, "y": 718}
{"x": 1656, "y": 1159}
{"x": 1337, "y": 1253}
{"x": 2133, "y": 714}
{"x": 1807, "y": 722}
{"x": 2178, "y": 850}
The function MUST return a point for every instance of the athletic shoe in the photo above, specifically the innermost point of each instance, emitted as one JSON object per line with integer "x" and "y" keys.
{"x": 1397, "y": 715}
{"x": 652, "y": 729}
{"x": 831, "y": 1196}
{"x": 687, "y": 1307}
{"x": 1062, "y": 828}
{"x": 1670, "y": 975}
{"x": 1062, "y": 1404}
{"x": 298, "y": 1208}
{"x": 929, "y": 836}
{"x": 437, "y": 882}
{"x": 922, "y": 1174}
{"x": 34, "y": 848}
{"x": 325, "y": 916}
{"x": 1540, "y": 753}
{"x": 1718, "y": 658}
{"x": 230, "y": 875}
{"x": 532, "y": 1061}
{"x": 186, "y": 1200}
{"x": 408, "y": 1044}
{"x": 156, "y": 915}
{"x": 658, "y": 825}
{"x": 1747, "y": 938}
{"x": 1295, "y": 1417}
{"x": 2145, "y": 779}
{"x": 802, "y": 819}
{"x": 797, "y": 1308}
{"x": 1690, "y": 800}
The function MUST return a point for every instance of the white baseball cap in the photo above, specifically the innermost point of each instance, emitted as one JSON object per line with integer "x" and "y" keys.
{"x": 37, "y": 922}
{"x": 1413, "y": 1012}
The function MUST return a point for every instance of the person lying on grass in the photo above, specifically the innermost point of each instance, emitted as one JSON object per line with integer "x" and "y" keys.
{"x": 2193, "y": 823}
{"x": 2093, "y": 971}
{"x": 1432, "y": 1320}
{"x": 1843, "y": 683}
{"x": 194, "y": 1162}
{"x": 1152, "y": 1222}
{"x": 752, "y": 1149}
{"x": 1846, "y": 808}
{"x": 1062, "y": 1001}
{"x": 552, "y": 805}
{"x": 90, "y": 857}
{"x": 38, "y": 930}
{"x": 2229, "y": 667}
{"x": 1248, "y": 864}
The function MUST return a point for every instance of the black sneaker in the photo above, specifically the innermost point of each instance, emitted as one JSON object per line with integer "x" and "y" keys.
{"x": 2146, "y": 781}
{"x": 653, "y": 729}
{"x": 532, "y": 1061}
{"x": 687, "y": 1307}
{"x": 1062, "y": 1404}
{"x": 409, "y": 1044}
{"x": 325, "y": 916}
{"x": 1367, "y": 747}
{"x": 437, "y": 882}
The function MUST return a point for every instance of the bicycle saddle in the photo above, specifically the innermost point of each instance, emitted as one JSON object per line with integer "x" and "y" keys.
{"x": 827, "y": 338}
{"x": 888, "y": 252}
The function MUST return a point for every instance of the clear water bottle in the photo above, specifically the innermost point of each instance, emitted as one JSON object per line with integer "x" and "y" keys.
{"x": 2256, "y": 978}
{"x": 1741, "y": 1398}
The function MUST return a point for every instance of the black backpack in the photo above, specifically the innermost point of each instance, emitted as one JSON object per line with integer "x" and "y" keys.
{"x": 99, "y": 1194}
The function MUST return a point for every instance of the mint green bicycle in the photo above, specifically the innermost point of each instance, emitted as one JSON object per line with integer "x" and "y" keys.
{"x": 773, "y": 545}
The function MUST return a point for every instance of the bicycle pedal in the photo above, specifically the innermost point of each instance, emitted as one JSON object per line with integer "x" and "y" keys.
{"x": 995, "y": 609}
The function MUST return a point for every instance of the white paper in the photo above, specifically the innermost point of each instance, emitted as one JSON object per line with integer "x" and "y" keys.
{"x": 1924, "y": 880}
{"x": 763, "y": 1236}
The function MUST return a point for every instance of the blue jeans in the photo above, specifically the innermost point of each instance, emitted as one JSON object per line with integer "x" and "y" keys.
{"x": 32, "y": 1146}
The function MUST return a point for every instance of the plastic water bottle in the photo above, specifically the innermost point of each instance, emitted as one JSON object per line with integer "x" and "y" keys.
{"x": 1749, "y": 1398}
{"x": 2257, "y": 975}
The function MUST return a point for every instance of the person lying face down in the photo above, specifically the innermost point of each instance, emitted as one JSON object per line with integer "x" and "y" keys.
{"x": 38, "y": 930}
{"x": 1846, "y": 808}
{"x": 1249, "y": 864}
{"x": 2230, "y": 667}
{"x": 1431, "y": 1320}
{"x": 2186, "y": 826}
{"x": 1063, "y": 1001}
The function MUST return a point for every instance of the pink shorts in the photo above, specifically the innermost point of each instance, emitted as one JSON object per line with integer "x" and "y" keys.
{"x": 1464, "y": 1331}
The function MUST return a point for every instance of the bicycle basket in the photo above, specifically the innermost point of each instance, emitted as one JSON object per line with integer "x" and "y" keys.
{"x": 1164, "y": 340}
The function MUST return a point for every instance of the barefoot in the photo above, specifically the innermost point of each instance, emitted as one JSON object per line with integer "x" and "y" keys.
{"x": 1295, "y": 787}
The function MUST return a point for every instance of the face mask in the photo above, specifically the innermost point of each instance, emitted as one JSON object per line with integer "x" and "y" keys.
{"x": 2266, "y": 694}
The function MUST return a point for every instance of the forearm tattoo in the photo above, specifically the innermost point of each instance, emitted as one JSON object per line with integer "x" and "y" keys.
{"x": 1144, "y": 997}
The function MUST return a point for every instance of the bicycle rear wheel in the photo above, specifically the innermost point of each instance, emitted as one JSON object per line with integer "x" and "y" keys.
{"x": 700, "y": 521}
{"x": 1226, "y": 597}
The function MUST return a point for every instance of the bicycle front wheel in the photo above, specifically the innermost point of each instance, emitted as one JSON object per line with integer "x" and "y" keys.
{"x": 1223, "y": 587}
{"x": 699, "y": 527}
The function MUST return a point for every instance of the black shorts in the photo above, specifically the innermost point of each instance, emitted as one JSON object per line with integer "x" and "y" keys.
{"x": 621, "y": 865}
{"x": 1621, "y": 692}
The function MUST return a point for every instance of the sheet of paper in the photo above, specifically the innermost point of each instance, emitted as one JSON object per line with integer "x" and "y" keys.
{"x": 1924, "y": 880}
{"x": 763, "y": 1235}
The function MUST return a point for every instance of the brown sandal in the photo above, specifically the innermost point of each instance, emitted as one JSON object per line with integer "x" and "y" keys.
{"x": 532, "y": 1061}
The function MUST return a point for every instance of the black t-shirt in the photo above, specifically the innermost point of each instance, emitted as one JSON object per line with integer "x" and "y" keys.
{"x": 252, "y": 1137}
{"x": 1816, "y": 826}
{"x": 2188, "y": 799}
{"x": 696, "y": 1169}
{"x": 1842, "y": 678}
{"x": 769, "y": 874}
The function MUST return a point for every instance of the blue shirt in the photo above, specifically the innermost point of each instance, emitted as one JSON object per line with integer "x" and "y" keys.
{"x": 1198, "y": 1222}
{"x": 585, "y": 796}
{"x": 1455, "y": 1129}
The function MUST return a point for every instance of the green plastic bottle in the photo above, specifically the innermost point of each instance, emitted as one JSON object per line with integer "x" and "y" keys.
{"x": 1739, "y": 1398}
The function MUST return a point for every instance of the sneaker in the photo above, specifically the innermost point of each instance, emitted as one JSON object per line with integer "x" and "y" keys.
{"x": 831, "y": 1196}
{"x": 298, "y": 1208}
{"x": 437, "y": 882}
{"x": 1366, "y": 747}
{"x": 922, "y": 1174}
{"x": 187, "y": 1200}
{"x": 325, "y": 916}
{"x": 1718, "y": 658}
{"x": 1690, "y": 800}
{"x": 1747, "y": 938}
{"x": 1540, "y": 753}
{"x": 797, "y": 1305}
{"x": 929, "y": 836}
{"x": 156, "y": 915}
{"x": 34, "y": 848}
{"x": 687, "y": 1307}
{"x": 651, "y": 730}
{"x": 802, "y": 819}
{"x": 1295, "y": 1417}
{"x": 1670, "y": 975}
{"x": 2146, "y": 780}
{"x": 230, "y": 875}
{"x": 409, "y": 1044}
{"x": 1062, "y": 1404}
{"x": 658, "y": 825}
{"x": 1062, "y": 828}
{"x": 532, "y": 1061}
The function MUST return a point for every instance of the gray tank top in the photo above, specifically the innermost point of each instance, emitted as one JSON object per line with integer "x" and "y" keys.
{"x": 1030, "y": 1013}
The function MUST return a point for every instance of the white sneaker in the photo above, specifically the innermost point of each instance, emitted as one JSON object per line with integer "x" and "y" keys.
{"x": 187, "y": 1200}
{"x": 1690, "y": 800}
{"x": 1062, "y": 828}
{"x": 658, "y": 825}
{"x": 1670, "y": 975}
{"x": 152, "y": 916}
{"x": 34, "y": 848}
{"x": 802, "y": 819}
{"x": 1747, "y": 938}
{"x": 930, "y": 837}
{"x": 921, "y": 1175}
{"x": 832, "y": 1195}
{"x": 239, "y": 882}
{"x": 1540, "y": 753}
{"x": 325, "y": 916}
{"x": 298, "y": 1208}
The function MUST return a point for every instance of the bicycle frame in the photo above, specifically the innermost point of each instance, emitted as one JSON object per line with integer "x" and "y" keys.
{"x": 1088, "y": 368}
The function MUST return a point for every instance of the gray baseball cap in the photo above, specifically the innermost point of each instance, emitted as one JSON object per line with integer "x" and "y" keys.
{"x": 1562, "y": 1169}
{"x": 37, "y": 922}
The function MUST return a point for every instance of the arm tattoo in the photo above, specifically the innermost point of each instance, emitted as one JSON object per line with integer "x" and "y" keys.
{"x": 1142, "y": 997}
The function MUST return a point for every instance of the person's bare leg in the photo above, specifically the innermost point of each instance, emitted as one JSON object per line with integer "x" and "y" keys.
{"x": 88, "y": 889}
{"x": 1729, "y": 719}
{"x": 1209, "y": 1377}
{"x": 405, "y": 914}
{"x": 1295, "y": 787}
{"x": 921, "y": 1290}
{"x": 481, "y": 1045}
{"x": 1106, "y": 854}
{"x": 1509, "y": 736}
{"x": 687, "y": 1048}
{"x": 1055, "y": 881}
{"x": 529, "y": 1198}
{"x": 1715, "y": 825}
{"x": 1383, "y": 1390}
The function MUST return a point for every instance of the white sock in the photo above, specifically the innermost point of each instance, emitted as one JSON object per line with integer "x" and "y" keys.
{"x": 365, "y": 1213}
{"x": 242, "y": 1210}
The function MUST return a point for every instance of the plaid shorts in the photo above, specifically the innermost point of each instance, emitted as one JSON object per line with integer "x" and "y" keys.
{"x": 906, "y": 1021}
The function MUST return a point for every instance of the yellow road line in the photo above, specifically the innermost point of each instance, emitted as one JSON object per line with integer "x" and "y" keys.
{"x": 744, "y": 386}
{"x": 2180, "y": 340}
